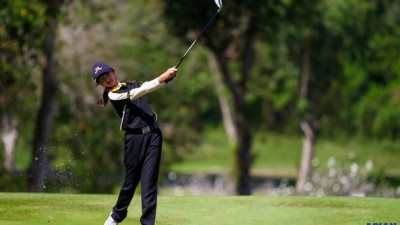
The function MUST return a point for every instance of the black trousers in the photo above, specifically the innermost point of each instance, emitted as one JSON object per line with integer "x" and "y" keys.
{"x": 142, "y": 162}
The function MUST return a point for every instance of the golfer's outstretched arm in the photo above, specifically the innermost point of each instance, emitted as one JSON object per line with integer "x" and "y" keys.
{"x": 145, "y": 88}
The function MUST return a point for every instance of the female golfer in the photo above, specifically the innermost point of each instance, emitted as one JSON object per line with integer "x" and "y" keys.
{"x": 143, "y": 138}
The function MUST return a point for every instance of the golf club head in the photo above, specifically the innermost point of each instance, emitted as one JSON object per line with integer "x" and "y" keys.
{"x": 219, "y": 3}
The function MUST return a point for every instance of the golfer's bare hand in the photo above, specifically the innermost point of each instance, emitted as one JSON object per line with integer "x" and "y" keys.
{"x": 170, "y": 73}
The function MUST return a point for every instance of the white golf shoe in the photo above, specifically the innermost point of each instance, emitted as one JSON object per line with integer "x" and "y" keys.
{"x": 110, "y": 221}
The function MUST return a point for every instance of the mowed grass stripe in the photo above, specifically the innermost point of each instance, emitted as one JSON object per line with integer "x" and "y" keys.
{"x": 63, "y": 209}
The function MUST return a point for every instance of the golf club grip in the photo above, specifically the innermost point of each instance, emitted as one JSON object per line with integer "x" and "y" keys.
{"x": 170, "y": 79}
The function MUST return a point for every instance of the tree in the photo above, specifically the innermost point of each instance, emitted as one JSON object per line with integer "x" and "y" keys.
{"x": 312, "y": 48}
{"x": 20, "y": 37}
{"x": 40, "y": 164}
{"x": 232, "y": 41}
{"x": 329, "y": 46}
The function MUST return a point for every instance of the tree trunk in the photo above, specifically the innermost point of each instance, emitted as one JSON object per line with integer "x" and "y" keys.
{"x": 244, "y": 158}
{"x": 9, "y": 135}
{"x": 237, "y": 87}
{"x": 307, "y": 156}
{"x": 307, "y": 126}
{"x": 226, "y": 113}
{"x": 40, "y": 164}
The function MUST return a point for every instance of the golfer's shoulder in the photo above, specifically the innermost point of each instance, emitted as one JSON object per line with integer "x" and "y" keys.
{"x": 123, "y": 91}
{"x": 125, "y": 87}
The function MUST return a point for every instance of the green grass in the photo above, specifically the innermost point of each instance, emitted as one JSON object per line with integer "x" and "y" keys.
{"x": 279, "y": 155}
{"x": 66, "y": 209}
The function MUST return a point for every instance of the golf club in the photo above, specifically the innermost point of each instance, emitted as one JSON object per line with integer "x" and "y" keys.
{"x": 219, "y": 4}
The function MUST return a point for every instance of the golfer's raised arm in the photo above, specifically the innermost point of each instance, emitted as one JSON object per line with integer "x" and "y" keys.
{"x": 145, "y": 88}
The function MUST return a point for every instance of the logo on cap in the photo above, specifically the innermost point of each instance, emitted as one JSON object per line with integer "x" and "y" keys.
{"x": 97, "y": 69}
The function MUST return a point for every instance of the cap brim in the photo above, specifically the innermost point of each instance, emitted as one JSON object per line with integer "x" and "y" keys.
{"x": 96, "y": 81}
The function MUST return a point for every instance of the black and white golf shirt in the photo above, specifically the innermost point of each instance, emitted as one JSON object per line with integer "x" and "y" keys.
{"x": 128, "y": 101}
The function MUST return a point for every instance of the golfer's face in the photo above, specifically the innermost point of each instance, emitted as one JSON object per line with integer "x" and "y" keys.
{"x": 108, "y": 80}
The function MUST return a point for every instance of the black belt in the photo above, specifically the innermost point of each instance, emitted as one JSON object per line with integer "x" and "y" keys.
{"x": 144, "y": 130}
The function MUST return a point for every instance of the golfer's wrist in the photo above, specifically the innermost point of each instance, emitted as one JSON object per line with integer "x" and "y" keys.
{"x": 163, "y": 77}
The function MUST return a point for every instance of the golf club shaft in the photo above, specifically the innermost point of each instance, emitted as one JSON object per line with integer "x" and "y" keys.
{"x": 194, "y": 42}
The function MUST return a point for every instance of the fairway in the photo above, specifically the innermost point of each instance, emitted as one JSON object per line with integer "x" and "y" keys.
{"x": 63, "y": 209}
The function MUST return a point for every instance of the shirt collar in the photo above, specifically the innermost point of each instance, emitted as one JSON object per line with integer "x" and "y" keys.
{"x": 117, "y": 87}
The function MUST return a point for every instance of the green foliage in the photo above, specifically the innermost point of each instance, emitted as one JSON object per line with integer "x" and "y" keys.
{"x": 21, "y": 35}
{"x": 378, "y": 121}
{"x": 20, "y": 38}
{"x": 353, "y": 49}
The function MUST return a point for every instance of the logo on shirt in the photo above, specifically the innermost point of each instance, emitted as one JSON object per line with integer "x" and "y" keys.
{"x": 97, "y": 69}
